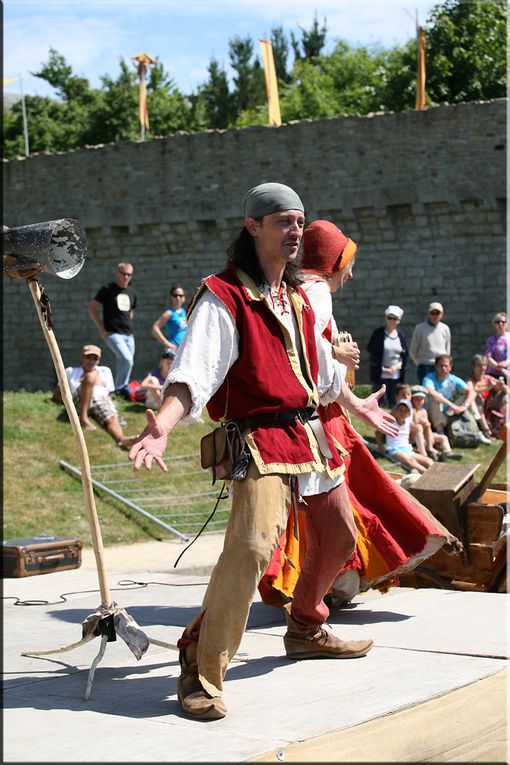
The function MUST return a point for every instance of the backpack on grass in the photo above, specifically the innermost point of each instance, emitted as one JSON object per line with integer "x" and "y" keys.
{"x": 462, "y": 430}
{"x": 133, "y": 391}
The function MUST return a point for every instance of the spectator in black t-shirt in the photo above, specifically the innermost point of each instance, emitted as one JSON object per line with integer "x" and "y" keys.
{"x": 118, "y": 302}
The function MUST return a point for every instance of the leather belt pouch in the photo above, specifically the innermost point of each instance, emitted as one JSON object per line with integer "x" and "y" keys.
{"x": 220, "y": 449}
{"x": 320, "y": 435}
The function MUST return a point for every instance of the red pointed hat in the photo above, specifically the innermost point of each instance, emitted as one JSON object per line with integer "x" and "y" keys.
{"x": 325, "y": 248}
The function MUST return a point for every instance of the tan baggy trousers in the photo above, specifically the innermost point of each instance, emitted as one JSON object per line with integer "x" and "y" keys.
{"x": 260, "y": 506}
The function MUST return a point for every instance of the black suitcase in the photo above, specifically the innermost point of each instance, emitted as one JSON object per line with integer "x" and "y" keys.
{"x": 39, "y": 555}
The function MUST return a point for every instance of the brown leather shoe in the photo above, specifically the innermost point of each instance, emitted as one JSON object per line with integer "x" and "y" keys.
{"x": 318, "y": 643}
{"x": 193, "y": 698}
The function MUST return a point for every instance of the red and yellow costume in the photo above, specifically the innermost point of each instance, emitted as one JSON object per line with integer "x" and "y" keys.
{"x": 394, "y": 530}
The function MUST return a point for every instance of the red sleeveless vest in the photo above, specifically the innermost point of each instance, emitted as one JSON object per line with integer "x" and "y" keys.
{"x": 268, "y": 377}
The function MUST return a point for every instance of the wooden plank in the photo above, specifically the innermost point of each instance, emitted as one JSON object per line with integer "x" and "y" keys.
{"x": 498, "y": 579}
{"x": 452, "y": 566}
{"x": 468, "y": 586}
{"x": 493, "y": 468}
{"x": 483, "y": 522}
{"x": 493, "y": 496}
{"x": 444, "y": 477}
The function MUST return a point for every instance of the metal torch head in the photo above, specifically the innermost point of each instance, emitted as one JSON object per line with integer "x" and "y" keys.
{"x": 56, "y": 246}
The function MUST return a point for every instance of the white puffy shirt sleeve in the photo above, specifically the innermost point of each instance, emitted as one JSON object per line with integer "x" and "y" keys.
{"x": 319, "y": 295}
{"x": 206, "y": 353}
{"x": 331, "y": 373}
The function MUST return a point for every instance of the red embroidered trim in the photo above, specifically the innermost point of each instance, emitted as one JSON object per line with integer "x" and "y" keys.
{"x": 279, "y": 298}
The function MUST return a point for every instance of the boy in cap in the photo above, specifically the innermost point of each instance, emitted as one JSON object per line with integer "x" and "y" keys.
{"x": 426, "y": 438}
{"x": 431, "y": 338}
{"x": 253, "y": 355}
{"x": 90, "y": 387}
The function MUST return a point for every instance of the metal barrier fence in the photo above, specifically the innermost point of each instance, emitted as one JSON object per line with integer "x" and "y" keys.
{"x": 179, "y": 501}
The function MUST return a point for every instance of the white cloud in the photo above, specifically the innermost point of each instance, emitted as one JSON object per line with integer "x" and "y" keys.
{"x": 92, "y": 46}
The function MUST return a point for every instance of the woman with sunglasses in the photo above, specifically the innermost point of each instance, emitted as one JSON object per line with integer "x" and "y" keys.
{"x": 497, "y": 348}
{"x": 170, "y": 327}
{"x": 388, "y": 355}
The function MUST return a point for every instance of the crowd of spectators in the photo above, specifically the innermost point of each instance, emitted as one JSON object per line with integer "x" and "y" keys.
{"x": 423, "y": 411}
{"x": 430, "y": 408}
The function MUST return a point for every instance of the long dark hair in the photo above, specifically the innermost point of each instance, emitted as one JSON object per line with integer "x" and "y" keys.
{"x": 241, "y": 252}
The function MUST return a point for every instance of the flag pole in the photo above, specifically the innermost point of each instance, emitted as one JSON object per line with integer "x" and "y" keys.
{"x": 273, "y": 102}
{"x": 143, "y": 89}
{"x": 24, "y": 114}
{"x": 143, "y": 115}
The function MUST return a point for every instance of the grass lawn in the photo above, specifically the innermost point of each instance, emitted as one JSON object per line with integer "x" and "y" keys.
{"x": 42, "y": 499}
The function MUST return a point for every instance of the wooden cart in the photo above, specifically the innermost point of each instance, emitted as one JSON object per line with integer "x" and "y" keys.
{"x": 474, "y": 513}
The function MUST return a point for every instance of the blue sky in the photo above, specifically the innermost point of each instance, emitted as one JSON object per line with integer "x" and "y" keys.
{"x": 93, "y": 35}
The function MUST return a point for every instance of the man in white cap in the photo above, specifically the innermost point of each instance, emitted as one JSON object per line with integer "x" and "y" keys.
{"x": 431, "y": 338}
{"x": 253, "y": 355}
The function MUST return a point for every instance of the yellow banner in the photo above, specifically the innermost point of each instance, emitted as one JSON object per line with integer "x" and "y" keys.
{"x": 143, "y": 112}
{"x": 144, "y": 61}
{"x": 273, "y": 101}
{"x": 420, "y": 80}
{"x": 8, "y": 80}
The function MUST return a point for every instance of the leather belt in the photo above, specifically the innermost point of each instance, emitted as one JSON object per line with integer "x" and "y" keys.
{"x": 302, "y": 415}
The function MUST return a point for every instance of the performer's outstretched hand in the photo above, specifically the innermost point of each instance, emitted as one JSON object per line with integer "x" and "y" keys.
{"x": 150, "y": 445}
{"x": 371, "y": 413}
{"x": 368, "y": 410}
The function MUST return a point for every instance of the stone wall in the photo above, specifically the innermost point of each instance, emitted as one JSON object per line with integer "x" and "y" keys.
{"x": 423, "y": 193}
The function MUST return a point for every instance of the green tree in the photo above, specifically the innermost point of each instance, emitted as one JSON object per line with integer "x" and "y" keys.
{"x": 349, "y": 81}
{"x": 48, "y": 127}
{"x": 217, "y": 100}
{"x": 249, "y": 88}
{"x": 310, "y": 94}
{"x": 312, "y": 41}
{"x": 118, "y": 111}
{"x": 169, "y": 109}
{"x": 60, "y": 76}
{"x": 280, "y": 53}
{"x": 398, "y": 77}
{"x": 466, "y": 50}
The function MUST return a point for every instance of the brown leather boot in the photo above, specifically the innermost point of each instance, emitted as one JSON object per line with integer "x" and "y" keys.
{"x": 193, "y": 698}
{"x": 318, "y": 643}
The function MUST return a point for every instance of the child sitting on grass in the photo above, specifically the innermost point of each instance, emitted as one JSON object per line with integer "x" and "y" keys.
{"x": 398, "y": 447}
{"x": 425, "y": 438}
{"x": 402, "y": 390}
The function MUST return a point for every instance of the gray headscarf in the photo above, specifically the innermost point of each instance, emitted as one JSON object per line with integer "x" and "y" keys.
{"x": 267, "y": 198}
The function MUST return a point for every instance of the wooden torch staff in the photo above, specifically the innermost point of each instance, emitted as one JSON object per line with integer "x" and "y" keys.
{"x": 86, "y": 478}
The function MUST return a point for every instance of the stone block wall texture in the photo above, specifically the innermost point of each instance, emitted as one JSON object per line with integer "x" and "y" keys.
{"x": 423, "y": 193}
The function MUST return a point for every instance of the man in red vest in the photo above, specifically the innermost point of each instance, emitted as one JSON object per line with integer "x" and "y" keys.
{"x": 253, "y": 355}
